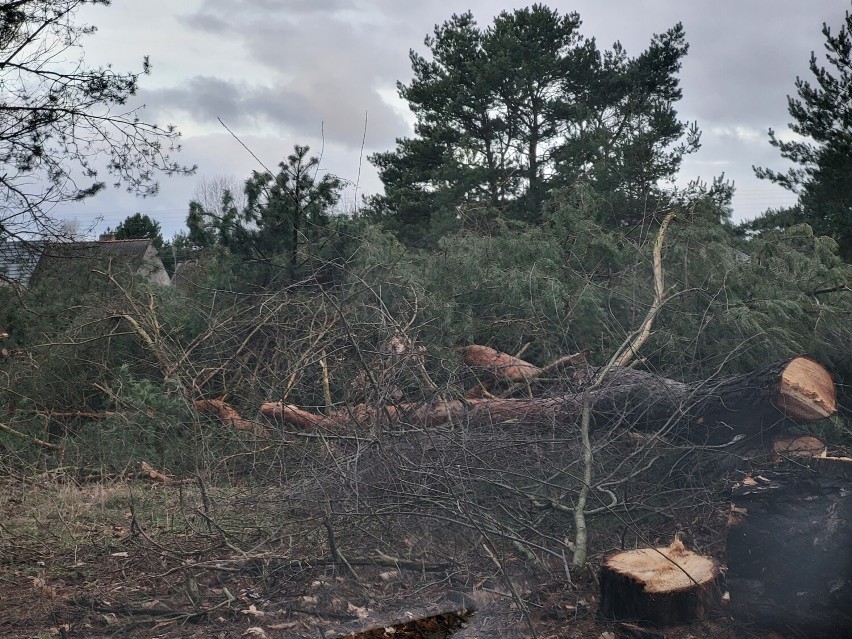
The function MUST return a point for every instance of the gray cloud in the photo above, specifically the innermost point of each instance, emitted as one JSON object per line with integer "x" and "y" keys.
{"x": 308, "y": 106}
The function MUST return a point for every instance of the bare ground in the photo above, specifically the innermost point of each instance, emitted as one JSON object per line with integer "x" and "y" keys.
{"x": 134, "y": 559}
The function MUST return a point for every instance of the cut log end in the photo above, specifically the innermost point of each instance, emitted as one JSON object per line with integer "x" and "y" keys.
{"x": 806, "y": 392}
{"x": 664, "y": 586}
{"x": 790, "y": 445}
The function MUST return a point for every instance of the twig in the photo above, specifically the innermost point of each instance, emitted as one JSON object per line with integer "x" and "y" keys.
{"x": 517, "y": 597}
{"x": 335, "y": 551}
{"x": 35, "y": 440}
{"x": 360, "y": 161}
{"x": 659, "y": 292}
{"x": 326, "y": 386}
{"x": 242, "y": 144}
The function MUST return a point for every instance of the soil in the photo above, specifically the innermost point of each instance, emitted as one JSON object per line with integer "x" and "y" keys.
{"x": 124, "y": 559}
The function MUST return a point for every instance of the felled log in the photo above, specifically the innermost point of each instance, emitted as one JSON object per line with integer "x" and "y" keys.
{"x": 715, "y": 411}
{"x": 712, "y": 411}
{"x": 663, "y": 586}
{"x": 420, "y": 415}
{"x": 227, "y": 414}
{"x": 501, "y": 366}
{"x": 789, "y": 548}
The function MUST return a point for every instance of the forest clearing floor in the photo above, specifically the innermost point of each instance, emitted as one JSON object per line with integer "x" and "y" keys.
{"x": 112, "y": 558}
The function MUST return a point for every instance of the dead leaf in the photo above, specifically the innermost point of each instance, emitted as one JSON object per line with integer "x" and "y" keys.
{"x": 110, "y": 618}
{"x": 253, "y": 611}
{"x": 40, "y": 586}
{"x": 255, "y": 631}
{"x": 361, "y": 613}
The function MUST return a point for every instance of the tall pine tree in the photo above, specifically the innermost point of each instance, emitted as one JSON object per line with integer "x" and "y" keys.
{"x": 822, "y": 115}
{"x": 509, "y": 113}
{"x": 283, "y": 213}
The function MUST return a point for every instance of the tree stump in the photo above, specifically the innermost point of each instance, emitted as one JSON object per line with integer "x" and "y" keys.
{"x": 789, "y": 547}
{"x": 663, "y": 586}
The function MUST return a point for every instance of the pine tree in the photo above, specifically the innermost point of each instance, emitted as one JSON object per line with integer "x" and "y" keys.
{"x": 139, "y": 226}
{"x": 507, "y": 114}
{"x": 283, "y": 212}
{"x": 822, "y": 115}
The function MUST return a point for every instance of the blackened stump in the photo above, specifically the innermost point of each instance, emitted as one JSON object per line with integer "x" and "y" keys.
{"x": 789, "y": 547}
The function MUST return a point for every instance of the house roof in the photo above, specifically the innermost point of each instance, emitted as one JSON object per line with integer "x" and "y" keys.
{"x": 60, "y": 259}
{"x": 23, "y": 263}
{"x": 18, "y": 260}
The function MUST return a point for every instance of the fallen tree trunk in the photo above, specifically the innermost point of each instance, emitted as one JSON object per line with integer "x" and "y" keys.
{"x": 419, "y": 415}
{"x": 709, "y": 412}
{"x": 665, "y": 586}
{"x": 501, "y": 366}
{"x": 508, "y": 369}
{"x": 227, "y": 414}
{"x": 789, "y": 551}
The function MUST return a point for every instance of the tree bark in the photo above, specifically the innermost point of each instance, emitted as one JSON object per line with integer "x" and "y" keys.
{"x": 501, "y": 366}
{"x": 713, "y": 411}
{"x": 789, "y": 550}
{"x": 227, "y": 414}
{"x": 664, "y": 586}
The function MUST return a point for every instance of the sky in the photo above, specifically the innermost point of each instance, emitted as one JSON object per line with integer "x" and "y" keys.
{"x": 324, "y": 73}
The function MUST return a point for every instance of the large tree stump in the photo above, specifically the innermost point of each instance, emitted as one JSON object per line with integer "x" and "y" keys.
{"x": 790, "y": 547}
{"x": 664, "y": 586}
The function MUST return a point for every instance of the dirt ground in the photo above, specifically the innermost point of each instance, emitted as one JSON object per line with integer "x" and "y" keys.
{"x": 133, "y": 559}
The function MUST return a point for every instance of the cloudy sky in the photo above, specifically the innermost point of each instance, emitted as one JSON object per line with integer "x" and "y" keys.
{"x": 285, "y": 72}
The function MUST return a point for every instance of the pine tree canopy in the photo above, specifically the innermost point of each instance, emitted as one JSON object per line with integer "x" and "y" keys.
{"x": 139, "y": 226}
{"x": 509, "y": 113}
{"x": 822, "y": 150}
